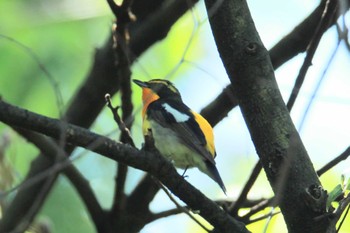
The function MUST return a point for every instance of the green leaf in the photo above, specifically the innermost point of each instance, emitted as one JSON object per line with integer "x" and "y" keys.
{"x": 334, "y": 194}
{"x": 347, "y": 188}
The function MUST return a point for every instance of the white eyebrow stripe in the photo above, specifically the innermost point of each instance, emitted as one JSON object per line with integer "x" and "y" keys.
{"x": 179, "y": 116}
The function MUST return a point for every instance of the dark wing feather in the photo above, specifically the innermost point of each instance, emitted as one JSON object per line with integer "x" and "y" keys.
{"x": 188, "y": 131}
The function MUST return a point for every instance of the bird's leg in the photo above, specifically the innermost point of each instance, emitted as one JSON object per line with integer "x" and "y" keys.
{"x": 149, "y": 140}
{"x": 183, "y": 174}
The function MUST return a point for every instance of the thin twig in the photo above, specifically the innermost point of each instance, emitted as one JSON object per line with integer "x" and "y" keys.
{"x": 42, "y": 67}
{"x": 343, "y": 219}
{"x": 335, "y": 161}
{"x": 183, "y": 209}
{"x": 335, "y": 216}
{"x": 262, "y": 217}
{"x": 188, "y": 44}
{"x": 122, "y": 169}
{"x": 318, "y": 85}
{"x": 167, "y": 213}
{"x": 121, "y": 39}
{"x": 265, "y": 203}
{"x": 119, "y": 121}
{"x": 247, "y": 204}
{"x": 268, "y": 217}
{"x": 326, "y": 19}
{"x": 257, "y": 208}
{"x": 233, "y": 210}
{"x": 343, "y": 33}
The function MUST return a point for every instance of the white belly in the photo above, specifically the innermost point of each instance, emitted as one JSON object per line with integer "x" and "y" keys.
{"x": 171, "y": 147}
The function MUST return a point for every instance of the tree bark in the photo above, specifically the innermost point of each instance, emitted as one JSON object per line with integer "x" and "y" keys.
{"x": 149, "y": 161}
{"x": 285, "y": 160}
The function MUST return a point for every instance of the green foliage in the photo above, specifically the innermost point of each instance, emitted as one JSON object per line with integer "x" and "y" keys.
{"x": 340, "y": 190}
{"x": 346, "y": 186}
{"x": 65, "y": 211}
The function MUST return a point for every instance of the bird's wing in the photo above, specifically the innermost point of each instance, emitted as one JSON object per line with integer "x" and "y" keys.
{"x": 177, "y": 116}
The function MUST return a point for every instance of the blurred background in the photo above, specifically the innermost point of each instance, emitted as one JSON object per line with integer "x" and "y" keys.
{"x": 63, "y": 36}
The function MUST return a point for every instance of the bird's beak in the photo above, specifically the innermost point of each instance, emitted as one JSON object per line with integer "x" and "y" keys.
{"x": 140, "y": 83}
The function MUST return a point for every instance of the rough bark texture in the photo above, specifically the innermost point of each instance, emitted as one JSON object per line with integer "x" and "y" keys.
{"x": 284, "y": 158}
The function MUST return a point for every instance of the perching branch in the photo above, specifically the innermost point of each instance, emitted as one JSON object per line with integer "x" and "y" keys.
{"x": 153, "y": 162}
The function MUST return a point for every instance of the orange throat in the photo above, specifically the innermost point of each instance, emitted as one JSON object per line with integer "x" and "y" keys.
{"x": 148, "y": 96}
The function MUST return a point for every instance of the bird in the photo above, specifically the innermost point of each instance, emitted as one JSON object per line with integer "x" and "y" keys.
{"x": 180, "y": 134}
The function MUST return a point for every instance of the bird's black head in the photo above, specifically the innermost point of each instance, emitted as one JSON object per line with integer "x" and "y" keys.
{"x": 161, "y": 87}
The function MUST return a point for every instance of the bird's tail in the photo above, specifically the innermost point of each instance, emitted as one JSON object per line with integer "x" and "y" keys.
{"x": 213, "y": 173}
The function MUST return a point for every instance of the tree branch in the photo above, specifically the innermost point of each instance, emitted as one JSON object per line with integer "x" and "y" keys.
{"x": 121, "y": 39}
{"x": 344, "y": 205}
{"x": 283, "y": 156}
{"x": 327, "y": 19}
{"x": 243, "y": 196}
{"x": 269, "y": 202}
{"x": 153, "y": 162}
{"x": 335, "y": 161}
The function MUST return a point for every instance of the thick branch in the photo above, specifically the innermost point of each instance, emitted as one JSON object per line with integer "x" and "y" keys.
{"x": 221, "y": 106}
{"x": 276, "y": 140}
{"x": 153, "y": 163}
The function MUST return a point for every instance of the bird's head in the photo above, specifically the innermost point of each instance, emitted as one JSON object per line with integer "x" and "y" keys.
{"x": 158, "y": 89}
